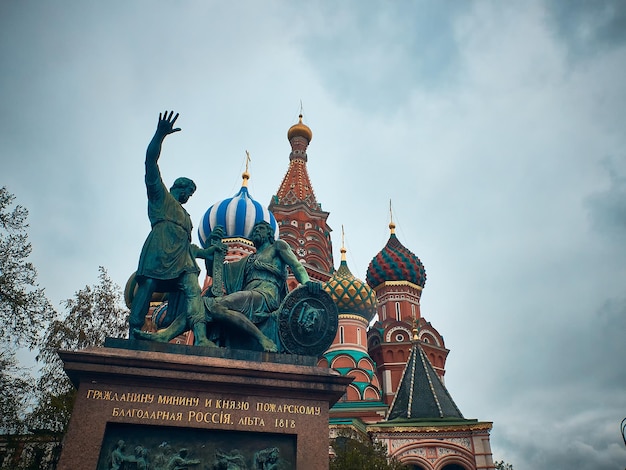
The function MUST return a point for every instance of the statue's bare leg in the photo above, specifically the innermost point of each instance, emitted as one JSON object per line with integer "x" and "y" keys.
{"x": 240, "y": 321}
{"x": 198, "y": 321}
{"x": 141, "y": 304}
{"x": 196, "y": 318}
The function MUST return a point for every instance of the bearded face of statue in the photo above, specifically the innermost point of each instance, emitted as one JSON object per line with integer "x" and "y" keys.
{"x": 182, "y": 189}
{"x": 261, "y": 233}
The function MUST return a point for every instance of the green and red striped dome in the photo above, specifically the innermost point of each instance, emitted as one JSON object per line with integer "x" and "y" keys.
{"x": 395, "y": 262}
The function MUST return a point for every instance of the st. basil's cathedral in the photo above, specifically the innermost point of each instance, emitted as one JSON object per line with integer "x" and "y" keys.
{"x": 395, "y": 356}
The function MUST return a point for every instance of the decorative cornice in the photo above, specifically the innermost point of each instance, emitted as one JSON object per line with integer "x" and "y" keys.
{"x": 430, "y": 428}
{"x": 244, "y": 241}
{"x": 397, "y": 283}
{"x": 317, "y": 213}
{"x": 349, "y": 316}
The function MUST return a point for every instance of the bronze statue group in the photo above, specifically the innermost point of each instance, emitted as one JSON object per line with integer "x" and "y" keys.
{"x": 251, "y": 289}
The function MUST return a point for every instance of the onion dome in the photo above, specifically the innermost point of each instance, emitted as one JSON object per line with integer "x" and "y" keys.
{"x": 300, "y": 130}
{"x": 237, "y": 214}
{"x": 351, "y": 295}
{"x": 395, "y": 262}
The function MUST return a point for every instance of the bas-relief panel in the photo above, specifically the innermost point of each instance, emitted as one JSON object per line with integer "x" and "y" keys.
{"x": 141, "y": 447}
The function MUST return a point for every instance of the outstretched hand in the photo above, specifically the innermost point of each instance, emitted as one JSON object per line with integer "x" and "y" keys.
{"x": 166, "y": 124}
{"x": 314, "y": 287}
{"x": 217, "y": 234}
{"x": 221, "y": 247}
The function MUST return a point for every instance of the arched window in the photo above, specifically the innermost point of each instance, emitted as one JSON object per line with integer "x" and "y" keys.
{"x": 341, "y": 338}
{"x": 398, "y": 314}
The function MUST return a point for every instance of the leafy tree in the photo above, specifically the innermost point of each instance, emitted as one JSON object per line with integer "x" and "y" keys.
{"x": 15, "y": 388}
{"x": 94, "y": 313}
{"x": 352, "y": 454}
{"x": 24, "y": 312}
{"x": 24, "y": 308}
{"x": 502, "y": 465}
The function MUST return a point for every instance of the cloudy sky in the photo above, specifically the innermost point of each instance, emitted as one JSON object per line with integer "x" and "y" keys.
{"x": 496, "y": 129}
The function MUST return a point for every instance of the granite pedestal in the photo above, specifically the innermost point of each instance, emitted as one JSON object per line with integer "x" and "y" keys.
{"x": 144, "y": 405}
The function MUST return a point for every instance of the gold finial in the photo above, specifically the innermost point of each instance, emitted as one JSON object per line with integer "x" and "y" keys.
{"x": 245, "y": 175}
{"x": 392, "y": 226}
{"x": 416, "y": 329}
{"x": 343, "y": 245}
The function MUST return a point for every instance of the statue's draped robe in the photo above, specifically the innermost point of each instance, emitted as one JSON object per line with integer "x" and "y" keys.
{"x": 251, "y": 275}
{"x": 166, "y": 253}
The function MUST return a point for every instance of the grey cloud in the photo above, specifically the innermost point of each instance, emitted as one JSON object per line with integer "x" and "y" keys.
{"x": 491, "y": 167}
{"x": 607, "y": 207}
{"x": 569, "y": 449}
{"x": 589, "y": 26}
{"x": 381, "y": 52}
{"x": 566, "y": 392}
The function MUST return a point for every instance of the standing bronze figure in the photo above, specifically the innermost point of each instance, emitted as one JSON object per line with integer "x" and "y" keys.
{"x": 167, "y": 261}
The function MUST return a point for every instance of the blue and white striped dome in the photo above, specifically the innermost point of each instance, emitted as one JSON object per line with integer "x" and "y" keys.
{"x": 237, "y": 215}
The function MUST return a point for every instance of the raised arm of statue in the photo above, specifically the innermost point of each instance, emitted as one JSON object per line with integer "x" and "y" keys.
{"x": 165, "y": 127}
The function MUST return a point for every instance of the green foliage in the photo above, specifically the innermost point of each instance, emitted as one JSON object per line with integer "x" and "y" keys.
{"x": 502, "y": 465}
{"x": 24, "y": 311}
{"x": 94, "y": 313}
{"x": 24, "y": 308}
{"x": 352, "y": 454}
{"x": 15, "y": 388}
